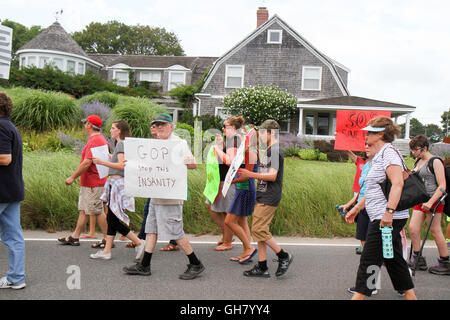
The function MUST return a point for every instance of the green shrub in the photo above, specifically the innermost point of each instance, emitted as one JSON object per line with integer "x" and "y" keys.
{"x": 308, "y": 154}
{"x": 43, "y": 111}
{"x": 185, "y": 131}
{"x": 291, "y": 151}
{"x": 322, "y": 157}
{"x": 104, "y": 97}
{"x": 138, "y": 112}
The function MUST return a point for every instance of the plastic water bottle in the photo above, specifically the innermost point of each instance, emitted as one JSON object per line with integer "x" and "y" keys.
{"x": 340, "y": 210}
{"x": 386, "y": 236}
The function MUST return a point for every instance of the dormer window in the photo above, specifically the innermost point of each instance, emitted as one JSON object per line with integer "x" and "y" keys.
{"x": 274, "y": 36}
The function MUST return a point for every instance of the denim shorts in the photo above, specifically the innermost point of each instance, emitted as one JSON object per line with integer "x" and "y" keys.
{"x": 166, "y": 221}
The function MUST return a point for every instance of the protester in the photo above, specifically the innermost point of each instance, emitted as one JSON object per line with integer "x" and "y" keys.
{"x": 91, "y": 185}
{"x": 245, "y": 195}
{"x": 387, "y": 163}
{"x": 165, "y": 216}
{"x": 434, "y": 184}
{"x": 268, "y": 197}
{"x": 114, "y": 195}
{"x": 362, "y": 219}
{"x": 12, "y": 192}
{"x": 218, "y": 209}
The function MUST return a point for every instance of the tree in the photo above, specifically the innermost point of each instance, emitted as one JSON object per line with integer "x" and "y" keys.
{"x": 21, "y": 35}
{"x": 258, "y": 104}
{"x": 115, "y": 37}
{"x": 433, "y": 132}
{"x": 445, "y": 123}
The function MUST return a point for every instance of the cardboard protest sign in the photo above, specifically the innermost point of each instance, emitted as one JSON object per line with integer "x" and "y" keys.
{"x": 155, "y": 168}
{"x": 349, "y": 123}
{"x": 102, "y": 153}
{"x": 236, "y": 163}
{"x": 212, "y": 176}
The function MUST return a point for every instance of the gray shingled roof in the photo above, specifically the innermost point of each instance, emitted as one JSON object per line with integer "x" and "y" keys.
{"x": 54, "y": 38}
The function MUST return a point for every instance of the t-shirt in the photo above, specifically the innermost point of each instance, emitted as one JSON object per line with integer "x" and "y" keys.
{"x": 11, "y": 180}
{"x": 362, "y": 178}
{"x": 268, "y": 192}
{"x": 359, "y": 165}
{"x": 186, "y": 153}
{"x": 90, "y": 177}
{"x": 232, "y": 142}
{"x": 118, "y": 149}
{"x": 376, "y": 202}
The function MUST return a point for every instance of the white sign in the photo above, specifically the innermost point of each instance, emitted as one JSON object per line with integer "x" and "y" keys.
{"x": 235, "y": 164}
{"x": 5, "y": 51}
{"x": 101, "y": 153}
{"x": 155, "y": 168}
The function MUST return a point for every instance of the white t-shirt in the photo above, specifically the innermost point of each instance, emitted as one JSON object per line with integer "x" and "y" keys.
{"x": 376, "y": 202}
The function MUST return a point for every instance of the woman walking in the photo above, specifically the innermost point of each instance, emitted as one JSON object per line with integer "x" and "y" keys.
{"x": 114, "y": 195}
{"x": 245, "y": 196}
{"x": 434, "y": 183}
{"x": 387, "y": 163}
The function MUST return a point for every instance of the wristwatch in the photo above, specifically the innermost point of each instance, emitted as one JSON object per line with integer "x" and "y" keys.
{"x": 390, "y": 210}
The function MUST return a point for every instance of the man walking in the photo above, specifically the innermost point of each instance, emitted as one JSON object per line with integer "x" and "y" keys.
{"x": 91, "y": 186}
{"x": 12, "y": 192}
{"x": 268, "y": 197}
{"x": 165, "y": 216}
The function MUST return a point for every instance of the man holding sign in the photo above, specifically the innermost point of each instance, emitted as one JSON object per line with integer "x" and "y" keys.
{"x": 91, "y": 185}
{"x": 165, "y": 215}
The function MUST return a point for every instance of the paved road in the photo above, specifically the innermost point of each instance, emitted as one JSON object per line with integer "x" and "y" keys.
{"x": 322, "y": 270}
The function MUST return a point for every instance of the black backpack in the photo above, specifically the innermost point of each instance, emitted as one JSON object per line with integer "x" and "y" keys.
{"x": 447, "y": 182}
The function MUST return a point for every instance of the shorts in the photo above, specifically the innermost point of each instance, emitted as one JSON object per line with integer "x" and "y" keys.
{"x": 439, "y": 209}
{"x": 362, "y": 225}
{"x": 166, "y": 221}
{"x": 221, "y": 203}
{"x": 262, "y": 217}
{"x": 89, "y": 200}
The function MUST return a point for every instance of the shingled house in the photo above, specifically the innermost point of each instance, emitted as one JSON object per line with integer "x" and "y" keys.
{"x": 275, "y": 54}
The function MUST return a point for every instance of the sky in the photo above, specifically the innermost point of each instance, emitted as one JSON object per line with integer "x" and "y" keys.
{"x": 397, "y": 50}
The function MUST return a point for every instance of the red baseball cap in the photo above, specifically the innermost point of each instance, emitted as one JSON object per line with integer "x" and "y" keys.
{"x": 94, "y": 119}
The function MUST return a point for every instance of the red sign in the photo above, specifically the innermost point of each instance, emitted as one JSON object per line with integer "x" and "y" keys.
{"x": 349, "y": 123}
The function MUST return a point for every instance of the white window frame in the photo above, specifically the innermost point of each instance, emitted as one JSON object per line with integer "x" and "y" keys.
{"x": 82, "y": 66}
{"x": 61, "y": 63}
{"x": 69, "y": 69}
{"x": 226, "y": 75}
{"x": 46, "y": 61}
{"x": 30, "y": 60}
{"x": 303, "y": 78}
{"x": 171, "y": 73}
{"x": 280, "y": 32}
{"x": 288, "y": 129}
{"x": 151, "y": 76}
{"x": 117, "y": 80}
{"x": 219, "y": 113}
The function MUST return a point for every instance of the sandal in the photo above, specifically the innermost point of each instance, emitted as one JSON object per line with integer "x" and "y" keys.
{"x": 169, "y": 247}
{"x": 130, "y": 245}
{"x": 101, "y": 245}
{"x": 223, "y": 247}
{"x": 248, "y": 257}
{"x": 69, "y": 241}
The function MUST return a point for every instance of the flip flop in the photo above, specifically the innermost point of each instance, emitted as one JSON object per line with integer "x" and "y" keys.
{"x": 86, "y": 236}
{"x": 247, "y": 258}
{"x": 223, "y": 247}
{"x": 169, "y": 247}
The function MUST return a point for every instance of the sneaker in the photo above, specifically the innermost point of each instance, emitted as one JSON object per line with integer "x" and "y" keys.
{"x": 137, "y": 269}
{"x": 192, "y": 272}
{"x": 401, "y": 293}
{"x": 352, "y": 290}
{"x": 100, "y": 255}
{"x": 442, "y": 268}
{"x": 4, "y": 284}
{"x": 140, "y": 250}
{"x": 421, "y": 265}
{"x": 283, "y": 265}
{"x": 257, "y": 272}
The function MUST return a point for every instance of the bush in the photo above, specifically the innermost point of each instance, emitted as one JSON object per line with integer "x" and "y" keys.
{"x": 43, "y": 111}
{"x": 308, "y": 154}
{"x": 138, "y": 112}
{"x": 291, "y": 151}
{"x": 185, "y": 131}
{"x": 104, "y": 97}
{"x": 322, "y": 157}
{"x": 98, "y": 108}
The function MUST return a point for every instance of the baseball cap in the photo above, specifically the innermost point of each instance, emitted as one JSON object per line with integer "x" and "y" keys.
{"x": 269, "y": 124}
{"x": 162, "y": 117}
{"x": 95, "y": 120}
{"x": 374, "y": 129}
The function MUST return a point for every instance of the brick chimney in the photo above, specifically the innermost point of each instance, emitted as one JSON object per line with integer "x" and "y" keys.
{"x": 262, "y": 15}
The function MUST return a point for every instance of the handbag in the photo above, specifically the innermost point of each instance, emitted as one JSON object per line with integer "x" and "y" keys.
{"x": 413, "y": 191}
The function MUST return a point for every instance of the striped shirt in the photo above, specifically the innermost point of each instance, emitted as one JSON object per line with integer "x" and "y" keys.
{"x": 376, "y": 202}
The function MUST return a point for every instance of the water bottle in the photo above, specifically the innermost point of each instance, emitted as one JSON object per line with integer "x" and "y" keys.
{"x": 340, "y": 210}
{"x": 386, "y": 236}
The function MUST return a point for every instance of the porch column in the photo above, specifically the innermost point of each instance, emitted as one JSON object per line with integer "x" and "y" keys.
{"x": 407, "y": 127}
{"x": 300, "y": 122}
